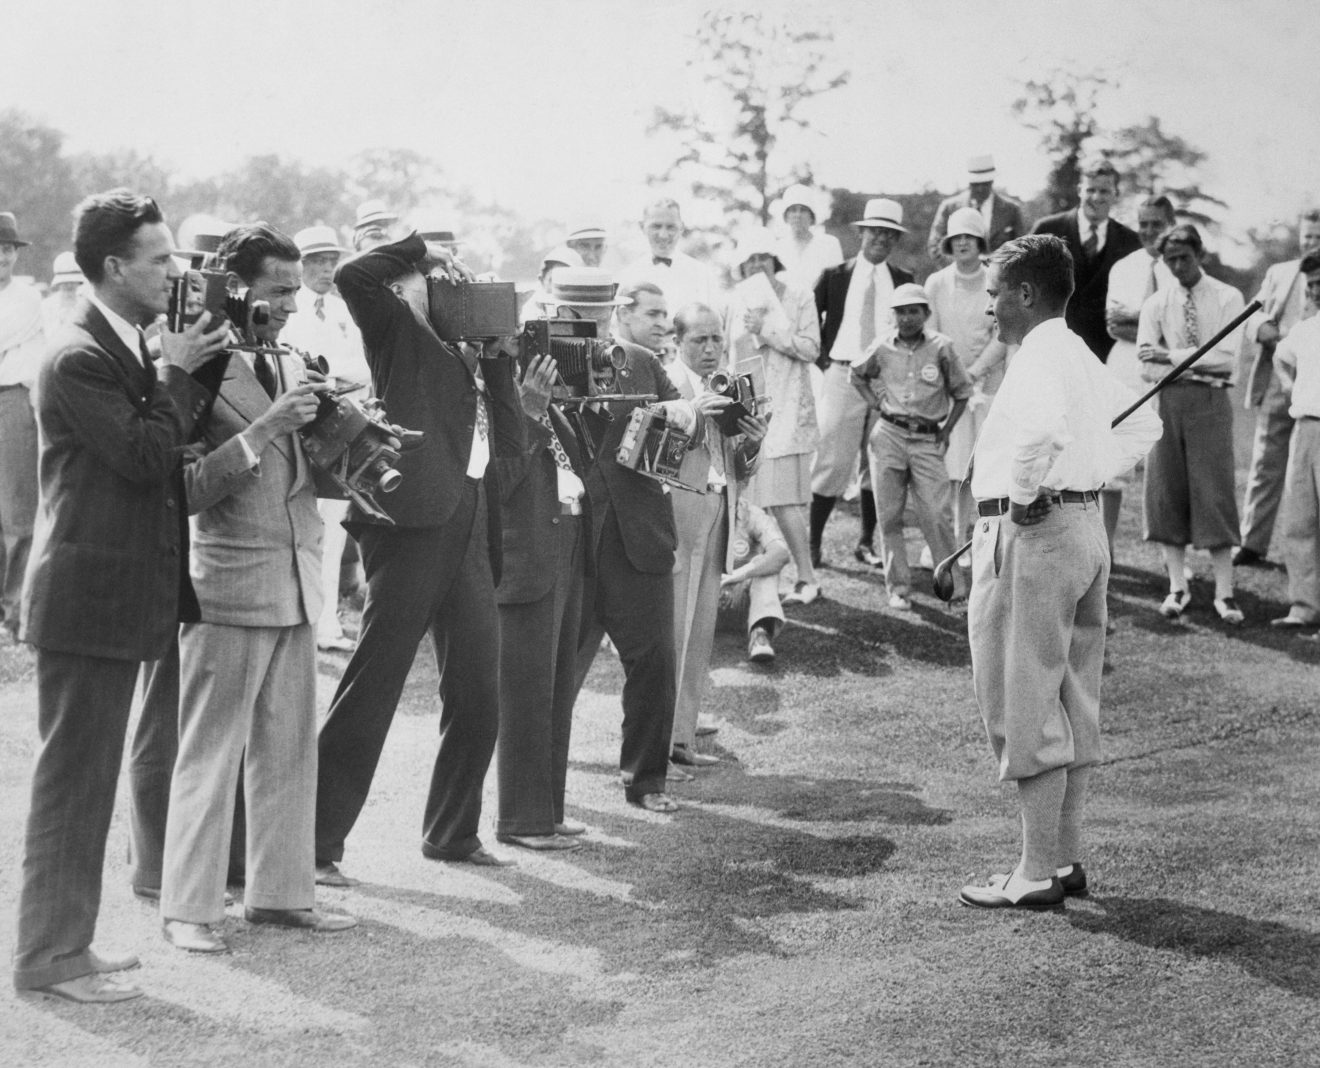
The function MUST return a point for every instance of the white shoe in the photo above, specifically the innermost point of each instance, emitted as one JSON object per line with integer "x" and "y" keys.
{"x": 759, "y": 649}
{"x": 899, "y": 603}
{"x": 1175, "y": 604}
{"x": 927, "y": 559}
{"x": 1228, "y": 611}
{"x": 803, "y": 593}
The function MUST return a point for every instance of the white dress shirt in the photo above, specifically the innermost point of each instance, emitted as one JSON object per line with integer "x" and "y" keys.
{"x": 333, "y": 334}
{"x": 1048, "y": 428}
{"x": 22, "y": 342}
{"x": 1085, "y": 226}
{"x": 129, "y": 334}
{"x": 802, "y": 266}
{"x": 1297, "y": 360}
{"x": 1163, "y": 323}
{"x": 848, "y": 342}
{"x": 684, "y": 281}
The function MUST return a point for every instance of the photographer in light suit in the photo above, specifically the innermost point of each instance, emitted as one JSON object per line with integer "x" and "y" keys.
{"x": 248, "y": 669}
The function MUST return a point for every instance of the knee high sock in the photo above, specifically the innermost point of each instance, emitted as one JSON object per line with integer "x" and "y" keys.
{"x": 1070, "y": 817}
{"x": 868, "y": 517}
{"x": 821, "y": 507}
{"x": 1041, "y": 801}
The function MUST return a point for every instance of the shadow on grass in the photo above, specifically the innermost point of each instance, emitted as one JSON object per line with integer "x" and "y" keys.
{"x": 1270, "y": 952}
{"x": 830, "y": 638}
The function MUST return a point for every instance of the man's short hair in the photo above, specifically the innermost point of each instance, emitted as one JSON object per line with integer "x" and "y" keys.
{"x": 684, "y": 319}
{"x": 1312, "y": 216}
{"x": 637, "y": 289}
{"x": 1100, "y": 168}
{"x": 1183, "y": 234}
{"x": 1040, "y": 260}
{"x": 104, "y": 224}
{"x": 245, "y": 249}
{"x": 663, "y": 204}
{"x": 1311, "y": 263}
{"x": 1160, "y": 203}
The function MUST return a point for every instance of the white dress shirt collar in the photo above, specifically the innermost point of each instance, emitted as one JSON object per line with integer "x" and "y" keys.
{"x": 129, "y": 334}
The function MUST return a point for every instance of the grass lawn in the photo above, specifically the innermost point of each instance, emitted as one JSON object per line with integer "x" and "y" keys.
{"x": 801, "y": 908}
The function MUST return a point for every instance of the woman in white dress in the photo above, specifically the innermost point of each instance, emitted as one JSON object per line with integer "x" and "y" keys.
{"x": 804, "y": 250}
{"x": 776, "y": 323}
{"x": 957, "y": 310}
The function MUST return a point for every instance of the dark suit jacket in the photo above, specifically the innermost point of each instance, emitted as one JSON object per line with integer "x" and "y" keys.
{"x": 640, "y": 505}
{"x": 530, "y": 513}
{"x": 832, "y": 292}
{"x": 1085, "y": 314}
{"x": 1006, "y": 221}
{"x": 430, "y": 386}
{"x": 108, "y": 576}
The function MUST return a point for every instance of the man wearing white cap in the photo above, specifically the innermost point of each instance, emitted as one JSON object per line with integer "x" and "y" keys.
{"x": 804, "y": 250}
{"x": 588, "y": 241}
{"x": 913, "y": 380}
{"x": 853, "y": 303}
{"x": 1002, "y": 215}
{"x": 551, "y": 262}
{"x": 21, "y": 346}
{"x": 322, "y": 326}
{"x": 66, "y": 279}
{"x": 373, "y": 225}
{"x": 684, "y": 280}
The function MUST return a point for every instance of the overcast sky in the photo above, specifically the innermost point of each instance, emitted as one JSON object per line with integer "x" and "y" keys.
{"x": 543, "y": 105}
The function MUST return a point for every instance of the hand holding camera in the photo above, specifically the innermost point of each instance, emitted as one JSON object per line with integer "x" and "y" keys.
{"x": 289, "y": 411}
{"x": 195, "y": 345}
{"x": 441, "y": 263}
{"x": 537, "y": 383}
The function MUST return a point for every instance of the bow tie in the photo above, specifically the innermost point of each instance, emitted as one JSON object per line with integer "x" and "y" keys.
{"x": 666, "y": 260}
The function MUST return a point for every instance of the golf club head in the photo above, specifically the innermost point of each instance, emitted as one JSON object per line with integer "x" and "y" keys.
{"x": 942, "y": 577}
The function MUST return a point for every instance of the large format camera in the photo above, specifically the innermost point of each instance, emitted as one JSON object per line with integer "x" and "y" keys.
{"x": 208, "y": 289}
{"x": 587, "y": 364}
{"x": 355, "y": 445}
{"x": 651, "y": 447}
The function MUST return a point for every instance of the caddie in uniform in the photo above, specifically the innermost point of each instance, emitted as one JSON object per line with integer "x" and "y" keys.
{"x": 1040, "y": 565}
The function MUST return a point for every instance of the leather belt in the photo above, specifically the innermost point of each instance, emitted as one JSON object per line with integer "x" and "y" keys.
{"x": 1000, "y": 505}
{"x": 846, "y": 363}
{"x": 570, "y": 507}
{"x": 914, "y": 424}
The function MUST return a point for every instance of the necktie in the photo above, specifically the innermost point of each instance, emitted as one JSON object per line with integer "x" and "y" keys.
{"x": 147, "y": 364}
{"x": 1191, "y": 325}
{"x": 662, "y": 259}
{"x": 1153, "y": 280}
{"x": 320, "y": 308}
{"x": 483, "y": 417}
{"x": 556, "y": 446}
{"x": 1090, "y": 245}
{"x": 868, "y": 313}
{"x": 265, "y": 373}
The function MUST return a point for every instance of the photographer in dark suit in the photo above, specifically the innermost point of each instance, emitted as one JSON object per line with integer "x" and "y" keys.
{"x": 434, "y": 571}
{"x": 1096, "y": 242}
{"x": 107, "y": 574}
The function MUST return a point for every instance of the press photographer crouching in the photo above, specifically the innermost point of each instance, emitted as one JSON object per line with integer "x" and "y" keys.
{"x": 434, "y": 568}
{"x": 630, "y": 593}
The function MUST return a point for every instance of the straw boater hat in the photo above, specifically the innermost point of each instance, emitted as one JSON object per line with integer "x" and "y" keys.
{"x": 801, "y": 196}
{"x": 909, "y": 293}
{"x": 883, "y": 213}
{"x": 980, "y": 169}
{"x": 964, "y": 222}
{"x": 756, "y": 242}
{"x": 561, "y": 255}
{"x": 206, "y": 238}
{"x": 66, "y": 271}
{"x": 9, "y": 230}
{"x": 584, "y": 287}
{"x": 582, "y": 230}
{"x": 316, "y": 239}
{"x": 374, "y": 213}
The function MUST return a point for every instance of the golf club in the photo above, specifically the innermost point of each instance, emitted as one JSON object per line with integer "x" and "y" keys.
{"x": 942, "y": 578}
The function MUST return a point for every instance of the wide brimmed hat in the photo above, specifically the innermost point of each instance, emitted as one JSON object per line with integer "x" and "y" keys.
{"x": 909, "y": 293}
{"x": 757, "y": 242}
{"x": 374, "y": 213}
{"x": 9, "y": 230}
{"x": 883, "y": 212}
{"x": 980, "y": 169}
{"x": 965, "y": 222}
{"x": 316, "y": 239}
{"x": 561, "y": 254}
{"x": 206, "y": 238}
{"x": 584, "y": 287}
{"x": 814, "y": 200}
{"x": 66, "y": 271}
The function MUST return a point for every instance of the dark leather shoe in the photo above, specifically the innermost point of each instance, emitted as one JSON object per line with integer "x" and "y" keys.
{"x": 1244, "y": 557}
{"x": 540, "y": 842}
{"x": 681, "y": 754}
{"x": 1073, "y": 880}
{"x": 193, "y": 937}
{"x": 328, "y": 874}
{"x": 1008, "y": 892}
{"x": 105, "y": 965}
{"x": 91, "y": 989}
{"x": 302, "y": 919}
{"x": 480, "y": 856}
